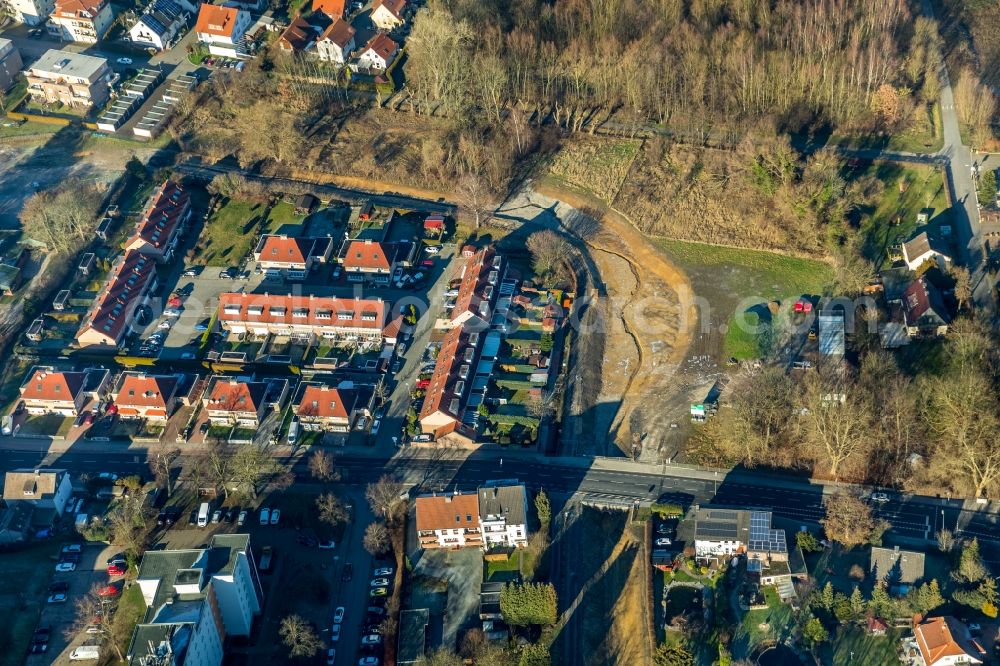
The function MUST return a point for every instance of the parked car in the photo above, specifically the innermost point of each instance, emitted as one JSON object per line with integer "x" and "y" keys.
{"x": 191, "y": 272}
{"x": 371, "y": 639}
{"x": 384, "y": 571}
{"x": 108, "y": 476}
{"x": 265, "y": 515}
{"x": 880, "y": 498}
{"x": 217, "y": 516}
{"x": 187, "y": 356}
{"x": 379, "y": 582}
{"x": 335, "y": 633}
{"x": 327, "y": 545}
{"x": 368, "y": 661}
{"x": 331, "y": 657}
{"x": 663, "y": 541}
{"x": 375, "y": 424}
{"x": 117, "y": 569}
{"x": 242, "y": 518}
{"x": 57, "y": 598}
{"x": 427, "y": 263}
{"x": 72, "y": 548}
{"x": 165, "y": 324}
{"x": 378, "y": 592}
{"x": 432, "y": 249}
{"x": 275, "y": 515}
{"x": 109, "y": 591}
{"x": 65, "y": 567}
{"x": 338, "y": 614}
{"x": 124, "y": 61}
{"x": 231, "y": 514}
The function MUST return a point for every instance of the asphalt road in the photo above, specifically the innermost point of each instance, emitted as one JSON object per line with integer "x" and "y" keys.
{"x": 796, "y": 500}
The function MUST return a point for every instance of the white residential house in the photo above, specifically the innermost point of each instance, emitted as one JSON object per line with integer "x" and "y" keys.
{"x": 503, "y": 516}
{"x": 31, "y": 12}
{"x": 924, "y": 247}
{"x": 388, "y": 14}
{"x": 84, "y": 21}
{"x": 223, "y": 29}
{"x": 160, "y": 25}
{"x": 378, "y": 54}
{"x": 336, "y": 43}
{"x": 448, "y": 521}
{"x": 944, "y": 641}
{"x": 42, "y": 488}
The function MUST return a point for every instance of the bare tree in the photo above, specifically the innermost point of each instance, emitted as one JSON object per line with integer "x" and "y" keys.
{"x": 331, "y": 509}
{"x": 62, "y": 218}
{"x": 849, "y": 521}
{"x": 549, "y": 251}
{"x": 161, "y": 464}
{"x": 130, "y": 524}
{"x": 251, "y": 465}
{"x": 377, "y": 540}
{"x": 474, "y": 195}
{"x": 299, "y": 637}
{"x": 384, "y": 494}
{"x": 92, "y": 613}
{"x": 837, "y": 421}
{"x": 321, "y": 466}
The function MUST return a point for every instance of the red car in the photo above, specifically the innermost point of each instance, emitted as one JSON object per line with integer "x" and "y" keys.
{"x": 427, "y": 262}
{"x": 423, "y": 383}
{"x": 117, "y": 569}
{"x": 112, "y": 408}
{"x": 109, "y": 591}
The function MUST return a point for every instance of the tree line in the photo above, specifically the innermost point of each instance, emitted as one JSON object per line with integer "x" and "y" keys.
{"x": 880, "y": 423}
{"x": 849, "y": 64}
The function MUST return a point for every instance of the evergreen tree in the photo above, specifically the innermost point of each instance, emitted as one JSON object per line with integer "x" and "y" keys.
{"x": 815, "y": 632}
{"x": 826, "y": 597}
{"x": 970, "y": 564}
{"x": 881, "y": 605}
{"x": 857, "y": 602}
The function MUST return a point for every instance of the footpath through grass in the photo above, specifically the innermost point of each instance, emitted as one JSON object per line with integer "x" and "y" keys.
{"x": 26, "y": 576}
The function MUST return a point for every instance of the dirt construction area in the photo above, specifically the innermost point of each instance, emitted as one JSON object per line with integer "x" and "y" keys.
{"x": 599, "y": 572}
{"x": 632, "y": 330}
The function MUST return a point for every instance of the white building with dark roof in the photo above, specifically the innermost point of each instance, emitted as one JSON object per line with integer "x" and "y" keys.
{"x": 159, "y": 25}
{"x": 503, "y": 516}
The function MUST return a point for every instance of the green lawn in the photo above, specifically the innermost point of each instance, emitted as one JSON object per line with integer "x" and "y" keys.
{"x": 734, "y": 279}
{"x": 52, "y": 425}
{"x": 228, "y": 234}
{"x": 908, "y": 191}
{"x": 853, "y": 645}
{"x": 29, "y": 129}
{"x": 767, "y": 624}
{"x": 502, "y": 571}
{"x": 27, "y": 574}
{"x": 131, "y": 610}
{"x": 283, "y": 219}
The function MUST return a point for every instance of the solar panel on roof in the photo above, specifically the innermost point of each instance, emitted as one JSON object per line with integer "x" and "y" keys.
{"x": 723, "y": 515}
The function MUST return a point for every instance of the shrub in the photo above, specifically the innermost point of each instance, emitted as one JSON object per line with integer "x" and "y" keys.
{"x": 664, "y": 510}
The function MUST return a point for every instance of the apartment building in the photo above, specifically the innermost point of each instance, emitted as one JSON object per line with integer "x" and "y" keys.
{"x": 158, "y": 231}
{"x": 305, "y": 318}
{"x": 82, "y": 21}
{"x": 128, "y": 286}
{"x": 503, "y": 516}
{"x": 10, "y": 64}
{"x": 449, "y": 521}
{"x": 70, "y": 78}
{"x": 41, "y": 488}
{"x": 388, "y": 14}
{"x": 195, "y": 598}
{"x": 31, "y": 12}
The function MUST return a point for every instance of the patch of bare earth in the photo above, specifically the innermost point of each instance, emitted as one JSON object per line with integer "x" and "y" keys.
{"x": 647, "y": 322}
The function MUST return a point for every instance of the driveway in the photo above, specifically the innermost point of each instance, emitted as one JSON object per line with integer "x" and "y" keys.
{"x": 461, "y": 572}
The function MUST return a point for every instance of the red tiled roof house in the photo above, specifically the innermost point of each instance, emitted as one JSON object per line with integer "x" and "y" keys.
{"x": 143, "y": 396}
{"x": 231, "y": 401}
{"x": 322, "y": 408}
{"x": 366, "y": 259}
{"x": 449, "y": 521}
{"x": 165, "y": 214}
{"x": 306, "y": 318}
{"x": 46, "y": 391}
{"x": 291, "y": 254}
{"x": 128, "y": 286}
{"x": 944, "y": 641}
{"x": 223, "y": 29}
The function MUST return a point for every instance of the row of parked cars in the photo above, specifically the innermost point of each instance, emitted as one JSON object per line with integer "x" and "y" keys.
{"x": 375, "y": 613}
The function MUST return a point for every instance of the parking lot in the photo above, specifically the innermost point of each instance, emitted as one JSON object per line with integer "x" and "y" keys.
{"x": 91, "y": 570}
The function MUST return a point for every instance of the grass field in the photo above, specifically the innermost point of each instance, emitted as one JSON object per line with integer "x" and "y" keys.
{"x": 22, "y": 592}
{"x": 228, "y": 233}
{"x": 908, "y": 191}
{"x": 853, "y": 645}
{"x": 733, "y": 280}
{"x": 283, "y": 219}
{"x": 29, "y": 129}
{"x": 768, "y": 624}
{"x": 599, "y": 166}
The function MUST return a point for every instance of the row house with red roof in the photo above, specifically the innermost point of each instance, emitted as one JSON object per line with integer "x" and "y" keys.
{"x": 48, "y": 391}
{"x": 141, "y": 396}
{"x": 324, "y": 408}
{"x": 368, "y": 260}
{"x": 235, "y": 401}
{"x": 109, "y": 321}
{"x": 388, "y": 14}
{"x": 451, "y": 384}
{"x": 292, "y": 256}
{"x": 305, "y": 318}
{"x": 158, "y": 231}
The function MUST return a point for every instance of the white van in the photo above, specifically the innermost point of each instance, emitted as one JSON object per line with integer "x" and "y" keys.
{"x": 293, "y": 431}
{"x": 203, "y": 515}
{"x": 85, "y": 653}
